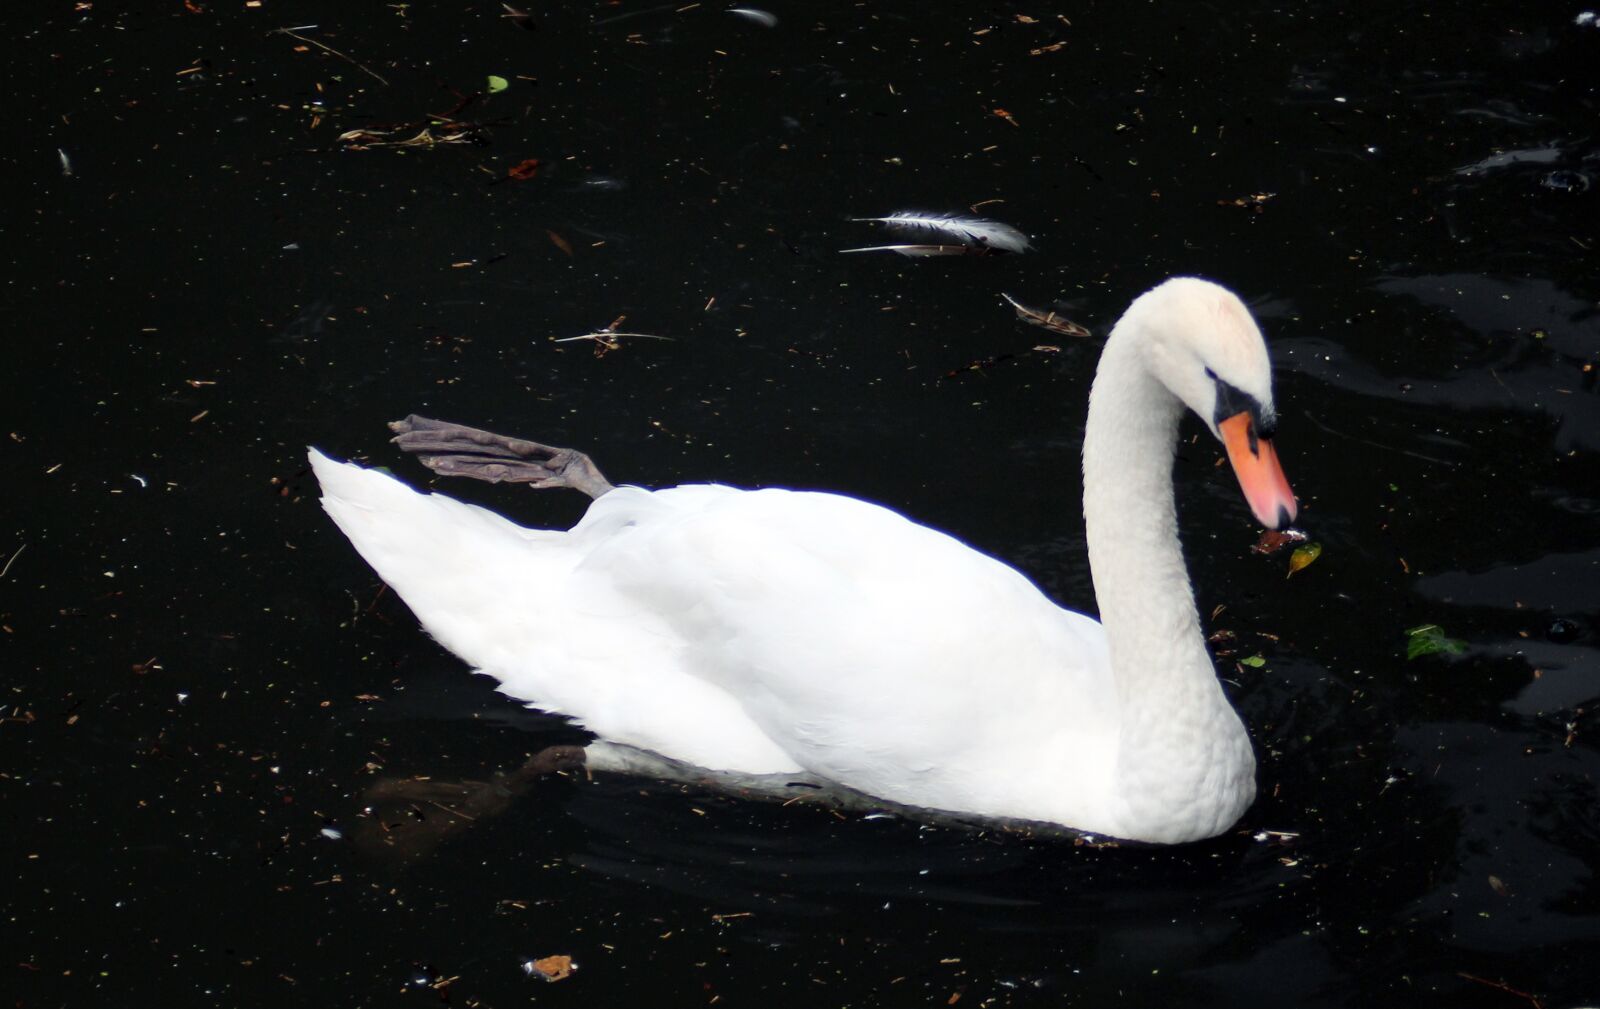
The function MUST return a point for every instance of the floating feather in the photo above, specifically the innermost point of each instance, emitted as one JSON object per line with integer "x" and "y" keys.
{"x": 969, "y": 230}
{"x": 926, "y": 250}
{"x": 1048, "y": 320}
{"x": 765, "y": 19}
{"x": 522, "y": 19}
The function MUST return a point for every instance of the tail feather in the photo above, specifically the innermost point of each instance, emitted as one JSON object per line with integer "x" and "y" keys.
{"x": 503, "y": 598}
{"x": 460, "y": 568}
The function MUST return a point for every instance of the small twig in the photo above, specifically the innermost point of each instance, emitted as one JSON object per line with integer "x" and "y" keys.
{"x": 1532, "y": 999}
{"x": 606, "y": 334}
{"x": 374, "y": 604}
{"x": 13, "y": 560}
{"x": 452, "y": 812}
{"x": 359, "y": 66}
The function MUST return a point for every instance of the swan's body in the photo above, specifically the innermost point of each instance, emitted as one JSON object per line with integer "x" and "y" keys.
{"x": 782, "y": 632}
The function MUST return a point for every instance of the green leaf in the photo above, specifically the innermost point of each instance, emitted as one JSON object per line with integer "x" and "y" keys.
{"x": 1303, "y": 555}
{"x": 1254, "y": 662}
{"x": 1430, "y": 639}
{"x": 497, "y": 84}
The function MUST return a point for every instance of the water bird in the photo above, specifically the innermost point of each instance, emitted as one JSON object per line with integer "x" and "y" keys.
{"x": 773, "y": 635}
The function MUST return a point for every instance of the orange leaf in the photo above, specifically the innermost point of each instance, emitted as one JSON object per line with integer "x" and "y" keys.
{"x": 524, "y": 170}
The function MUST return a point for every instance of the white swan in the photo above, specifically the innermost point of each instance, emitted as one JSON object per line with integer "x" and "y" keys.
{"x": 783, "y": 632}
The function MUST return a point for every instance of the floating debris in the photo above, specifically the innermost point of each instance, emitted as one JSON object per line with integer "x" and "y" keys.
{"x": 524, "y": 170}
{"x": 5, "y": 570}
{"x": 522, "y": 19}
{"x": 967, "y": 231}
{"x": 551, "y": 968}
{"x": 1046, "y": 320}
{"x": 1302, "y": 557}
{"x": 294, "y": 34}
{"x": 1255, "y": 201}
{"x": 926, "y": 250}
{"x": 559, "y": 242}
{"x": 1430, "y": 639}
{"x": 447, "y": 133}
{"x": 605, "y": 340}
{"x": 1272, "y": 540}
{"x": 765, "y": 19}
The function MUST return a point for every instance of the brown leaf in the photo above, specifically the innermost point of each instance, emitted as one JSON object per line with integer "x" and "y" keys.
{"x": 1272, "y": 540}
{"x": 554, "y": 968}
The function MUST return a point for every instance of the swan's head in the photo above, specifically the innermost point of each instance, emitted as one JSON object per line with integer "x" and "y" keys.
{"x": 1202, "y": 343}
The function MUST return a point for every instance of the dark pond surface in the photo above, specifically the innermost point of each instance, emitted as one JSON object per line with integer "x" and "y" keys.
{"x": 202, "y": 680}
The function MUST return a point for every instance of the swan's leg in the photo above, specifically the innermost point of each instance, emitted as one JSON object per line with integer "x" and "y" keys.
{"x": 550, "y": 760}
{"x": 405, "y": 819}
{"x": 454, "y": 450}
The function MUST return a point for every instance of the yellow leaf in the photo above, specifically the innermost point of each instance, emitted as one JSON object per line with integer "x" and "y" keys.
{"x": 1303, "y": 555}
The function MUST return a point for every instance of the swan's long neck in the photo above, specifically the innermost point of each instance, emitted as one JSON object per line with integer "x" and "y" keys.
{"x": 1183, "y": 755}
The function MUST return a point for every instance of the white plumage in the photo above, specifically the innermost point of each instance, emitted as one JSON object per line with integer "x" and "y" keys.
{"x": 776, "y": 631}
{"x": 969, "y": 231}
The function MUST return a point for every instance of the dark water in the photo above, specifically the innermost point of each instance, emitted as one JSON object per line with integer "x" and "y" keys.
{"x": 1406, "y": 194}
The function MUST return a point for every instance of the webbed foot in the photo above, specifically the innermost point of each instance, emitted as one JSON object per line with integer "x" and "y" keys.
{"x": 454, "y": 450}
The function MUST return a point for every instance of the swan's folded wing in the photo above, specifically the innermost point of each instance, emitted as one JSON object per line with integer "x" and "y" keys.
{"x": 877, "y": 652}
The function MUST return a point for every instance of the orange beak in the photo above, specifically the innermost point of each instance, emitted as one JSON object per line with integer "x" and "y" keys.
{"x": 1260, "y": 476}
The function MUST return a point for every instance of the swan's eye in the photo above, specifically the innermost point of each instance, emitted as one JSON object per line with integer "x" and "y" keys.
{"x": 1232, "y": 401}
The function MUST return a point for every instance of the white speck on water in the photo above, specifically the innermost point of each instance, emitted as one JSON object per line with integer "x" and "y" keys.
{"x": 1587, "y": 19}
{"x": 182, "y": 698}
{"x": 330, "y": 833}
